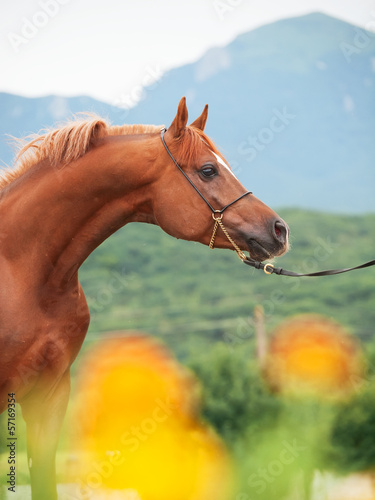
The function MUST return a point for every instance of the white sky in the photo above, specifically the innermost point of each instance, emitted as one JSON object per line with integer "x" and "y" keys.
{"x": 105, "y": 48}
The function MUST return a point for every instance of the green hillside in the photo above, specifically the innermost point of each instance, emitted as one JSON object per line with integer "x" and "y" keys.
{"x": 189, "y": 295}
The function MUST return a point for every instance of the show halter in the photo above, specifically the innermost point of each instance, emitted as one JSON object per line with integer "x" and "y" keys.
{"x": 268, "y": 268}
{"x": 217, "y": 215}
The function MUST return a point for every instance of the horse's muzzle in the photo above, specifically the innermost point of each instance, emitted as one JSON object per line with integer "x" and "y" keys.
{"x": 271, "y": 243}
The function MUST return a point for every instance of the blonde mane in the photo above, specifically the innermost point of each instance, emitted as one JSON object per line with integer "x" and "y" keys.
{"x": 65, "y": 144}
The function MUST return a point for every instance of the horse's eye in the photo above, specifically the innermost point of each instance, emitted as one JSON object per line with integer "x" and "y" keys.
{"x": 208, "y": 171}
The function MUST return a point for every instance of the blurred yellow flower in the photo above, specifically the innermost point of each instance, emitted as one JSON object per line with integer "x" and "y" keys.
{"x": 311, "y": 354}
{"x": 139, "y": 426}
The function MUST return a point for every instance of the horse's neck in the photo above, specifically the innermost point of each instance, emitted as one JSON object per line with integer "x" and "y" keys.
{"x": 54, "y": 218}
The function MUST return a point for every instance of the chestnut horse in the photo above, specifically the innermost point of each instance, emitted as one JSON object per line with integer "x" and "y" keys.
{"x": 71, "y": 189}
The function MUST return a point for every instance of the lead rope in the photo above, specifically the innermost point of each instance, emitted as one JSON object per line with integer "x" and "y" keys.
{"x": 270, "y": 269}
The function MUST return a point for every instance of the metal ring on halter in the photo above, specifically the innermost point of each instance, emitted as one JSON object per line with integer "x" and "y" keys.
{"x": 219, "y": 216}
{"x": 266, "y": 270}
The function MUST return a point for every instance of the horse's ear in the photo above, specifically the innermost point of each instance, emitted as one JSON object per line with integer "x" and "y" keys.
{"x": 180, "y": 120}
{"x": 200, "y": 122}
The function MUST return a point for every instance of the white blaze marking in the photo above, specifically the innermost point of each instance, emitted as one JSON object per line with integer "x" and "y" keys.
{"x": 222, "y": 162}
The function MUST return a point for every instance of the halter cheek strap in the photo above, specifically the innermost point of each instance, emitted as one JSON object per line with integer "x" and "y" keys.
{"x": 217, "y": 215}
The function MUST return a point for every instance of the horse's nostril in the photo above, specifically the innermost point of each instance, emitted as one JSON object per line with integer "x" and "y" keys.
{"x": 281, "y": 231}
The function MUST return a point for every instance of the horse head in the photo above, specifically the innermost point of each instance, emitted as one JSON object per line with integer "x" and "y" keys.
{"x": 188, "y": 211}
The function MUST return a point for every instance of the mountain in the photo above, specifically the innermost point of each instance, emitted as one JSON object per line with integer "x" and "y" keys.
{"x": 291, "y": 106}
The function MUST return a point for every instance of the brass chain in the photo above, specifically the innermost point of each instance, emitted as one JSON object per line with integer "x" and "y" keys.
{"x": 217, "y": 217}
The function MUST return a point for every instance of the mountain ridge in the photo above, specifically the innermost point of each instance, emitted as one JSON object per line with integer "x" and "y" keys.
{"x": 319, "y": 157}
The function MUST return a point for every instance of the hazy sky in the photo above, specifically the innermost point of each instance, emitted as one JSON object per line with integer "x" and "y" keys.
{"x": 105, "y": 48}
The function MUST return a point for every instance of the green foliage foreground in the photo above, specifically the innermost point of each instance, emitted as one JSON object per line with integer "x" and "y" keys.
{"x": 278, "y": 443}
